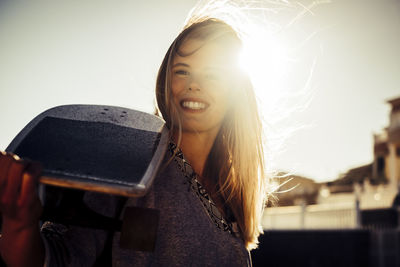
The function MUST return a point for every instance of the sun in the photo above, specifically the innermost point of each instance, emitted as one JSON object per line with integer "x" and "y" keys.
{"x": 265, "y": 59}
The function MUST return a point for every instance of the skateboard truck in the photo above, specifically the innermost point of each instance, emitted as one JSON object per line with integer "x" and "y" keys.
{"x": 138, "y": 226}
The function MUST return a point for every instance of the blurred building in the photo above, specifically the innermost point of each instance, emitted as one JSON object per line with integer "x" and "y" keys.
{"x": 386, "y": 163}
{"x": 304, "y": 204}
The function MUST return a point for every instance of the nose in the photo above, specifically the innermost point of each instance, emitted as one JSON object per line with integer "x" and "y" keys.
{"x": 194, "y": 85}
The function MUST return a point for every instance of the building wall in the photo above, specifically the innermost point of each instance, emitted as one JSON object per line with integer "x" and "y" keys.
{"x": 392, "y": 141}
{"x": 397, "y": 165}
{"x": 395, "y": 119}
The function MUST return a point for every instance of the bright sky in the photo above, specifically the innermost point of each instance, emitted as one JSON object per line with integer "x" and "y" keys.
{"x": 100, "y": 52}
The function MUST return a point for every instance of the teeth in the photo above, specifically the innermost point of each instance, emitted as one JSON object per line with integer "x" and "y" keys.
{"x": 193, "y": 105}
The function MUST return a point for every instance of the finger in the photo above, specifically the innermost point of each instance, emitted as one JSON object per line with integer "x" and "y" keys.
{"x": 14, "y": 179}
{"x": 5, "y": 163}
{"x": 29, "y": 184}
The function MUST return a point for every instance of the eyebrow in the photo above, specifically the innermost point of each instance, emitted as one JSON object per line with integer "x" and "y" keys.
{"x": 180, "y": 64}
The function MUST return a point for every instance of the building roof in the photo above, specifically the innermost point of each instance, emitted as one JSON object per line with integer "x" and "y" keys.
{"x": 395, "y": 102}
{"x": 355, "y": 175}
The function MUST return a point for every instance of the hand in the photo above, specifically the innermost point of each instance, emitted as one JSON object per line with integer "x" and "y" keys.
{"x": 19, "y": 202}
{"x": 20, "y": 208}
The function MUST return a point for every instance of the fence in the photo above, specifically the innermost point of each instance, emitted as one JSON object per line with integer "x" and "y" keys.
{"x": 338, "y": 211}
{"x": 364, "y": 233}
{"x": 321, "y": 216}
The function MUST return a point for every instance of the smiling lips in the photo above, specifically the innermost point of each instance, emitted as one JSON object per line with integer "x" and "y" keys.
{"x": 193, "y": 105}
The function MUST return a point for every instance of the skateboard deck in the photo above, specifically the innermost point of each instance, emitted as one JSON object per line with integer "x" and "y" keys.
{"x": 96, "y": 148}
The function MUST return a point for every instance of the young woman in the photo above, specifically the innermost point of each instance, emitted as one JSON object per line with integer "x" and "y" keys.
{"x": 210, "y": 193}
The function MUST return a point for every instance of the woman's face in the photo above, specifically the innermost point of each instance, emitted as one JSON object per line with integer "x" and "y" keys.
{"x": 202, "y": 83}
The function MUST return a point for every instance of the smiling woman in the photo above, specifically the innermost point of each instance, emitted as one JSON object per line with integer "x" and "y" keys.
{"x": 210, "y": 107}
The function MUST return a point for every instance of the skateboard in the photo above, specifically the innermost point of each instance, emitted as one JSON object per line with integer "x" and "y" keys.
{"x": 104, "y": 149}
{"x": 97, "y": 148}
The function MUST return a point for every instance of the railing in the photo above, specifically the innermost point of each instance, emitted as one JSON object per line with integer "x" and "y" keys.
{"x": 339, "y": 211}
{"x": 321, "y": 216}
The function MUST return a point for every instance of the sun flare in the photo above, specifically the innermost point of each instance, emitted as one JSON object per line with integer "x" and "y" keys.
{"x": 265, "y": 59}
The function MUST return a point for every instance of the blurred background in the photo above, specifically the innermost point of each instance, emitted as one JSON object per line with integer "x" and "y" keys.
{"x": 338, "y": 156}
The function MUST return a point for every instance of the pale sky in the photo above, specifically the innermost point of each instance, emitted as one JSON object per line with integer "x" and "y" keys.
{"x": 101, "y": 52}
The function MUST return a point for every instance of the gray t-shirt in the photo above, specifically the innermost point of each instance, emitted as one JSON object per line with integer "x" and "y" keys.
{"x": 191, "y": 230}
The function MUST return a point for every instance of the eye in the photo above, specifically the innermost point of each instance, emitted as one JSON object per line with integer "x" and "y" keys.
{"x": 181, "y": 72}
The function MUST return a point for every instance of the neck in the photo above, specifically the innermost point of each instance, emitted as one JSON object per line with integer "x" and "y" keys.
{"x": 196, "y": 147}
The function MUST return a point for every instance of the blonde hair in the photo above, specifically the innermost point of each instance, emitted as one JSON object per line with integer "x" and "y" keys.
{"x": 235, "y": 163}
